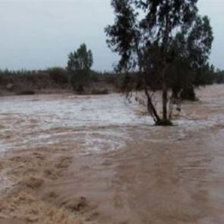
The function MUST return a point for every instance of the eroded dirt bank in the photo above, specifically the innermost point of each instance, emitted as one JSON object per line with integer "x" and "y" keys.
{"x": 67, "y": 159}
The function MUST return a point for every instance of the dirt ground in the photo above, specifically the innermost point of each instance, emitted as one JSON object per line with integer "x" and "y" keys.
{"x": 94, "y": 159}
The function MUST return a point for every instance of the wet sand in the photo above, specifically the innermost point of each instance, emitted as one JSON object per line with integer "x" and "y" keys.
{"x": 69, "y": 159}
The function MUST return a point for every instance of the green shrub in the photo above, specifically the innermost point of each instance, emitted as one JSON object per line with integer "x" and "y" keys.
{"x": 79, "y": 80}
{"x": 58, "y": 75}
{"x": 188, "y": 94}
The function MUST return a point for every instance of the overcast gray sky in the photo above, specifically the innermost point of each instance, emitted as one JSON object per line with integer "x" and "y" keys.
{"x": 37, "y": 34}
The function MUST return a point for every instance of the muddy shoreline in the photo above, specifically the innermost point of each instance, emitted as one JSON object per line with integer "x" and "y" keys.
{"x": 60, "y": 165}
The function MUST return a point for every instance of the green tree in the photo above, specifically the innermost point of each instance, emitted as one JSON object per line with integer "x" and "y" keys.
{"x": 144, "y": 33}
{"x": 190, "y": 67}
{"x": 219, "y": 74}
{"x": 79, "y": 66}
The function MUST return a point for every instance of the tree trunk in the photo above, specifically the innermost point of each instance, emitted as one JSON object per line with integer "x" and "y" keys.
{"x": 151, "y": 108}
{"x": 165, "y": 120}
{"x": 164, "y": 93}
{"x": 164, "y": 100}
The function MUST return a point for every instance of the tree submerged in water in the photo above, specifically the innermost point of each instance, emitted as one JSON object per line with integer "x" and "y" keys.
{"x": 153, "y": 38}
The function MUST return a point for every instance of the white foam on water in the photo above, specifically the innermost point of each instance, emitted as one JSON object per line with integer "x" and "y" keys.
{"x": 99, "y": 122}
{"x": 30, "y": 118}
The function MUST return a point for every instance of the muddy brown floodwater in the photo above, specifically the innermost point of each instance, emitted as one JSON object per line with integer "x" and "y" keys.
{"x": 96, "y": 159}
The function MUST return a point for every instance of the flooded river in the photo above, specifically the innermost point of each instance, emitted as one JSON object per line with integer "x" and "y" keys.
{"x": 97, "y": 159}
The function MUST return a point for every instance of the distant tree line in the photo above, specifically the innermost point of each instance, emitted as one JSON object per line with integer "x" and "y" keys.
{"x": 31, "y": 82}
{"x": 57, "y": 79}
{"x": 80, "y": 78}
